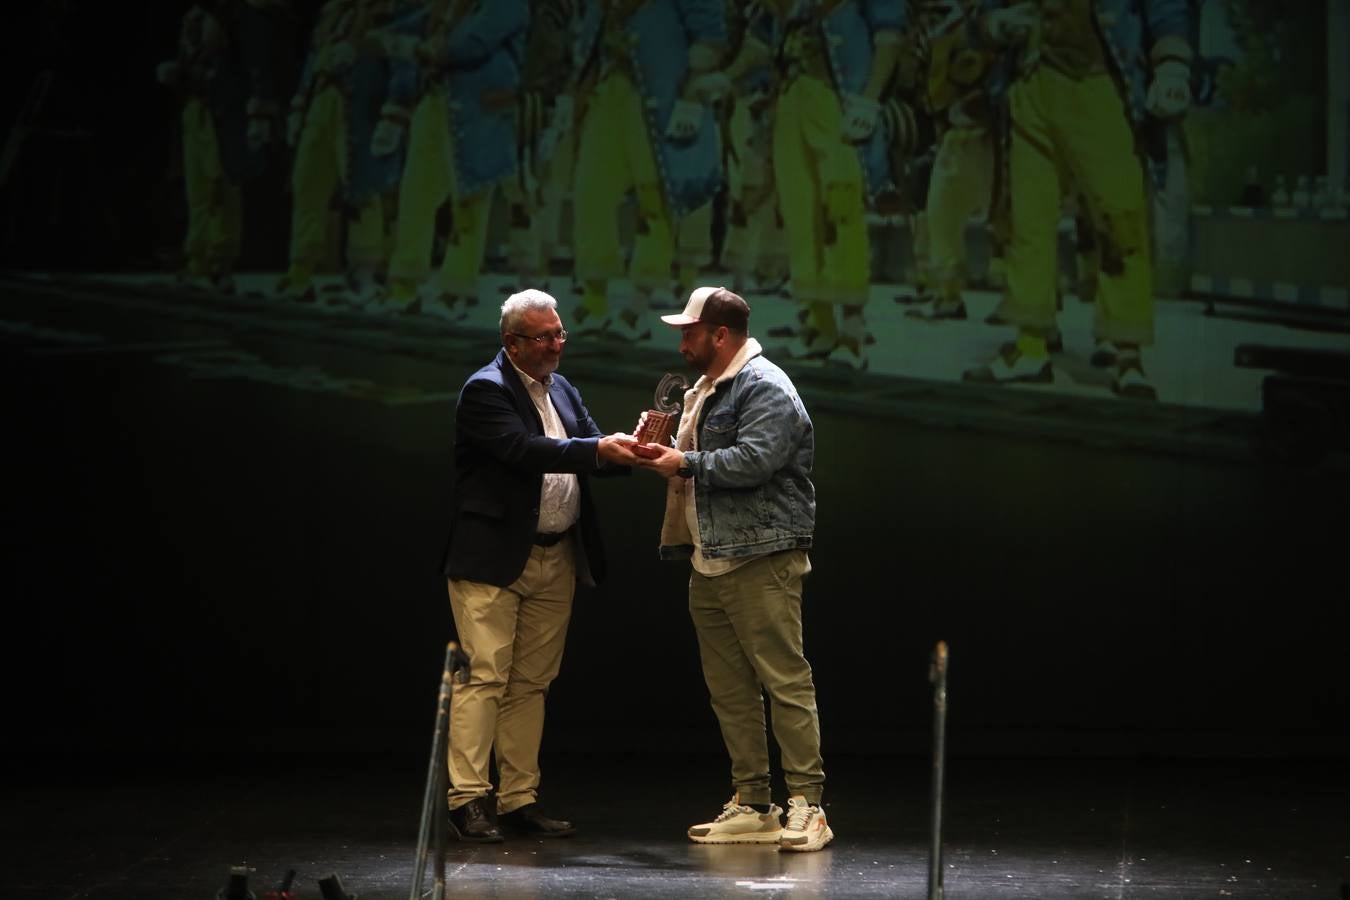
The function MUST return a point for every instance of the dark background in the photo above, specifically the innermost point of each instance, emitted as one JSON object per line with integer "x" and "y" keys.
{"x": 201, "y": 565}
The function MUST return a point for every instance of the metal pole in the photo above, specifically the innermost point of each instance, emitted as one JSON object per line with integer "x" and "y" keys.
{"x": 432, "y": 826}
{"x": 438, "y": 867}
{"x": 937, "y": 674}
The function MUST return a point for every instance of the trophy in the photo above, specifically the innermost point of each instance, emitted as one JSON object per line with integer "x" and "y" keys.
{"x": 656, "y": 425}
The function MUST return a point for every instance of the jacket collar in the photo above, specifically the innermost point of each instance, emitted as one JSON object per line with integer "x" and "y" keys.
{"x": 514, "y": 379}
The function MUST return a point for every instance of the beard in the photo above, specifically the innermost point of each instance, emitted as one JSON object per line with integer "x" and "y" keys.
{"x": 699, "y": 360}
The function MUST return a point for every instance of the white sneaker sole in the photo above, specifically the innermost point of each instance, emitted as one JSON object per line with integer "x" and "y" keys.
{"x": 806, "y": 846}
{"x": 750, "y": 837}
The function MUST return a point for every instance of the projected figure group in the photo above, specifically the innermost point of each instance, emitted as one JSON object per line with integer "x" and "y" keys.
{"x": 646, "y": 132}
{"x": 834, "y": 62}
{"x": 224, "y": 75}
{"x": 457, "y": 67}
{"x": 755, "y": 249}
{"x": 956, "y": 93}
{"x": 330, "y": 125}
{"x": 625, "y": 144}
{"x": 546, "y": 143}
{"x": 1089, "y": 77}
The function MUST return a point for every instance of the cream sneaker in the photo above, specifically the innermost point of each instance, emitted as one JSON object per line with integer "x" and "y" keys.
{"x": 738, "y": 824}
{"x": 806, "y": 827}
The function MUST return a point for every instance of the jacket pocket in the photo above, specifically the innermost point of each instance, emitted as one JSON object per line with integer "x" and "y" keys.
{"x": 719, "y": 431}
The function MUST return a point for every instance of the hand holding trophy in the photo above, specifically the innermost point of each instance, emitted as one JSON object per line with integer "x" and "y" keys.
{"x": 655, "y": 426}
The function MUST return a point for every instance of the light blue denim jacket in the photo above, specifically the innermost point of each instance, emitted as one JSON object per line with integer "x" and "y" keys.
{"x": 752, "y": 471}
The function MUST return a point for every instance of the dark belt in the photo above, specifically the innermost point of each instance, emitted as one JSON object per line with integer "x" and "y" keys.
{"x": 548, "y": 539}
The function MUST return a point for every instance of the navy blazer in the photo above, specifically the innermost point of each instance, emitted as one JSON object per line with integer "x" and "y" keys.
{"x": 501, "y": 455}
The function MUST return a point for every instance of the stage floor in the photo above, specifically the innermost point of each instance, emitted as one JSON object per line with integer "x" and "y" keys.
{"x": 109, "y": 829}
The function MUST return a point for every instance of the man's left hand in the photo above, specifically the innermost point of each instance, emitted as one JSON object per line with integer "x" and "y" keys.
{"x": 662, "y": 460}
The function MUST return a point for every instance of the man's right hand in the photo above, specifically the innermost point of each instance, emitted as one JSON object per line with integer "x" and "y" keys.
{"x": 617, "y": 449}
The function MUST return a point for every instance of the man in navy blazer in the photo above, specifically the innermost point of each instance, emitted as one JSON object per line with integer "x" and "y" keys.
{"x": 523, "y": 532}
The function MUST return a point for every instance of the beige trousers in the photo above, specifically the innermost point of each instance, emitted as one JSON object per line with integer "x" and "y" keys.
{"x": 749, "y": 627}
{"x": 514, "y": 638}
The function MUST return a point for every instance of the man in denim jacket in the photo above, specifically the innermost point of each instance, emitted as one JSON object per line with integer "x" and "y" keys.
{"x": 741, "y": 507}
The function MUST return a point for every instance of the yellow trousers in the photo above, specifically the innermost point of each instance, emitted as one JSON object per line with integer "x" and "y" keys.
{"x": 213, "y": 209}
{"x": 614, "y": 157}
{"x": 514, "y": 638}
{"x": 958, "y": 188}
{"x": 428, "y": 181}
{"x": 320, "y": 167}
{"x": 755, "y": 243}
{"x": 1077, "y": 129}
{"x": 820, "y": 192}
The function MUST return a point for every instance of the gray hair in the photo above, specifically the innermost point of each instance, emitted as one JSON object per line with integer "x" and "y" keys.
{"x": 515, "y": 307}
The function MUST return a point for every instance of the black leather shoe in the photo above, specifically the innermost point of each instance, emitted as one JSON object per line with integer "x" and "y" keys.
{"x": 530, "y": 820}
{"x": 471, "y": 822}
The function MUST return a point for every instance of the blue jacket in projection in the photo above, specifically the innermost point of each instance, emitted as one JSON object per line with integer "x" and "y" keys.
{"x": 479, "y": 68}
{"x": 661, "y": 33}
{"x": 847, "y": 32}
{"x": 364, "y": 82}
{"x": 1129, "y": 29}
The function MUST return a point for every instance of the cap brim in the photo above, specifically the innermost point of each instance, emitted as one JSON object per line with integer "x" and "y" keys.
{"x": 679, "y": 320}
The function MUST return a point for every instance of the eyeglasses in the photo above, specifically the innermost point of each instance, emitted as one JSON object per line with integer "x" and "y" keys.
{"x": 560, "y": 336}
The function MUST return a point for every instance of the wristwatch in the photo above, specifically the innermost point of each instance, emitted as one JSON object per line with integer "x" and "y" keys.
{"x": 684, "y": 471}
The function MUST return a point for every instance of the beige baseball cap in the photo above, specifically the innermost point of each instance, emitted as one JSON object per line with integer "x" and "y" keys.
{"x": 713, "y": 306}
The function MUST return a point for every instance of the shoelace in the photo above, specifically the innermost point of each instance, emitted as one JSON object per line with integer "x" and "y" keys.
{"x": 731, "y": 809}
{"x": 798, "y": 816}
